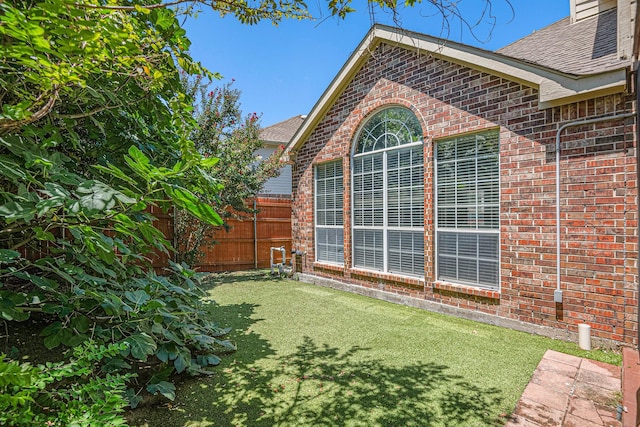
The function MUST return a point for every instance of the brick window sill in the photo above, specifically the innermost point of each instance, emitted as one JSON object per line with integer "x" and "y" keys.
{"x": 334, "y": 268}
{"x": 408, "y": 281}
{"x": 466, "y": 290}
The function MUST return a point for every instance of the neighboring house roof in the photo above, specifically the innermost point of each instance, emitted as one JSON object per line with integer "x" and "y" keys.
{"x": 282, "y": 132}
{"x": 585, "y": 47}
{"x": 555, "y": 87}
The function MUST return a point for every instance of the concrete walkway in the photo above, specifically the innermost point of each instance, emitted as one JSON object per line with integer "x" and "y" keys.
{"x": 568, "y": 391}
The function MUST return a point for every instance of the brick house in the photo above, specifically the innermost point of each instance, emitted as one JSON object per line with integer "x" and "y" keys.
{"x": 427, "y": 174}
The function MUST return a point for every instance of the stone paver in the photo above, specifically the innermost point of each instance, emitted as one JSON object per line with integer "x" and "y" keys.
{"x": 568, "y": 391}
{"x": 563, "y": 357}
{"x": 573, "y": 421}
{"x": 557, "y": 367}
{"x": 546, "y": 396}
{"x": 531, "y": 411}
{"x": 553, "y": 381}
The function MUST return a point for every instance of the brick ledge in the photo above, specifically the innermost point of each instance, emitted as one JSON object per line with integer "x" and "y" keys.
{"x": 407, "y": 281}
{"x": 336, "y": 268}
{"x": 467, "y": 290}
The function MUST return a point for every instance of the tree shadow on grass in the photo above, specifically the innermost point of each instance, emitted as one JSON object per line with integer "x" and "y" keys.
{"x": 212, "y": 280}
{"x": 192, "y": 390}
{"x": 331, "y": 387}
{"x": 318, "y": 385}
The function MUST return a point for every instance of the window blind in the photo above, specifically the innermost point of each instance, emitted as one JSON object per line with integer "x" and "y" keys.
{"x": 388, "y": 194}
{"x": 468, "y": 209}
{"x": 329, "y": 210}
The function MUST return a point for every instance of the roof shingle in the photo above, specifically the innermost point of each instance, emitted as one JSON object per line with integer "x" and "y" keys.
{"x": 585, "y": 47}
{"x": 282, "y": 132}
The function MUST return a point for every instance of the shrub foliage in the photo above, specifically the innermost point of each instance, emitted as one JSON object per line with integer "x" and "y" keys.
{"x": 74, "y": 393}
{"x": 94, "y": 130}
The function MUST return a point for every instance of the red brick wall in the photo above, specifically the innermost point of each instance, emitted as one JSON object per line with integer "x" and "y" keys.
{"x": 598, "y": 192}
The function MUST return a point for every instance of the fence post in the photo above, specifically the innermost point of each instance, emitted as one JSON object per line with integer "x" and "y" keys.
{"x": 255, "y": 235}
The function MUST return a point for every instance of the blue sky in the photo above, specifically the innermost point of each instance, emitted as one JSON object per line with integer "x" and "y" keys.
{"x": 283, "y": 70}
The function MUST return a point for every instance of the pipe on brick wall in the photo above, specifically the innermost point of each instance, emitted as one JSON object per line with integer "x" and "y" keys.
{"x": 558, "y": 295}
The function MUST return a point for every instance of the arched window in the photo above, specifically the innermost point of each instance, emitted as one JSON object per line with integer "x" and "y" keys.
{"x": 388, "y": 194}
{"x": 387, "y": 129}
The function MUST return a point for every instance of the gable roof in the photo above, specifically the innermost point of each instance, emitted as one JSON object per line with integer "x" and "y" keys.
{"x": 283, "y": 131}
{"x": 586, "y": 47}
{"x": 555, "y": 87}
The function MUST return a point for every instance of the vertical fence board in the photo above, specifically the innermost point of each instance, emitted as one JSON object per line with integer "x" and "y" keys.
{"x": 164, "y": 223}
{"x": 235, "y": 249}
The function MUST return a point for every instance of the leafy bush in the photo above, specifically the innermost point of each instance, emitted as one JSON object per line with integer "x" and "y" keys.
{"x": 91, "y": 275}
{"x": 94, "y": 134}
{"x": 73, "y": 393}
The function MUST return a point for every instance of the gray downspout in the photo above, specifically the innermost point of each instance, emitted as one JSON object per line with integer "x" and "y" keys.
{"x": 557, "y": 295}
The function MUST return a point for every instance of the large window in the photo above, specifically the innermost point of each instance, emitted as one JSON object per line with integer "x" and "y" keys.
{"x": 468, "y": 209}
{"x": 329, "y": 212}
{"x": 388, "y": 194}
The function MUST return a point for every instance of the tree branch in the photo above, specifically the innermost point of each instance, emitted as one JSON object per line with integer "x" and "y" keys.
{"x": 132, "y": 8}
{"x": 214, "y": 4}
{"x": 7, "y": 125}
{"x": 89, "y": 113}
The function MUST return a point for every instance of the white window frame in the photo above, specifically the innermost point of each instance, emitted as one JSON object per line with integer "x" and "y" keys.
{"x": 338, "y": 257}
{"x": 477, "y": 231}
{"x": 385, "y": 228}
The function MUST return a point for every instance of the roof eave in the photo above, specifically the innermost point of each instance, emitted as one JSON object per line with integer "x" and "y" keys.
{"x": 553, "y": 93}
{"x": 555, "y": 87}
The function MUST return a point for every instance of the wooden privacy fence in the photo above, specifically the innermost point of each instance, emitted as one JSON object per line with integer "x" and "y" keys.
{"x": 248, "y": 242}
{"x": 245, "y": 246}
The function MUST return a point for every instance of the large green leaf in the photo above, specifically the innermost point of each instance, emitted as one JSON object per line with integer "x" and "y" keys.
{"x": 138, "y": 297}
{"x": 140, "y": 346}
{"x": 138, "y": 162}
{"x": 8, "y": 256}
{"x": 44, "y": 235}
{"x": 10, "y": 169}
{"x": 55, "y": 190}
{"x": 99, "y": 196}
{"x": 208, "y": 360}
{"x": 183, "y": 361}
{"x": 81, "y": 323}
{"x": 23, "y": 210}
{"x": 42, "y": 282}
{"x": 188, "y": 201}
{"x": 166, "y": 352}
{"x": 55, "y": 334}
{"x": 209, "y": 162}
{"x": 9, "y": 306}
{"x": 165, "y": 388}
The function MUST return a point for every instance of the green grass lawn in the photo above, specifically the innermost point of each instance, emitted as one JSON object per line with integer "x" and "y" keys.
{"x": 311, "y": 356}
